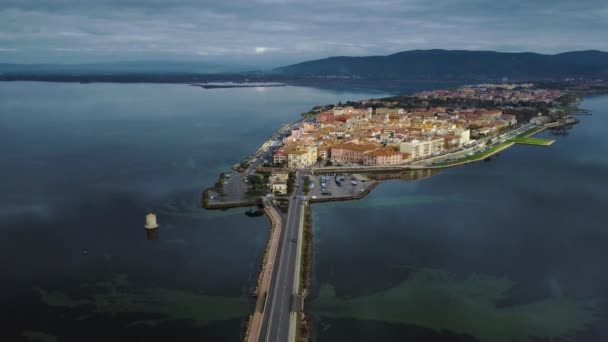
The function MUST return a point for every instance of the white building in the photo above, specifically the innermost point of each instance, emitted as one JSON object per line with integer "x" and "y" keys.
{"x": 464, "y": 137}
{"x": 369, "y": 113}
{"x": 338, "y": 111}
{"x": 420, "y": 149}
{"x": 302, "y": 157}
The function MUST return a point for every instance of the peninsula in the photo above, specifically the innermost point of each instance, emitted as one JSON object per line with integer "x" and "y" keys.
{"x": 342, "y": 151}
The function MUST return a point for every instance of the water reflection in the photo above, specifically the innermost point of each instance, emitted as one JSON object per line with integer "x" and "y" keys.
{"x": 152, "y": 234}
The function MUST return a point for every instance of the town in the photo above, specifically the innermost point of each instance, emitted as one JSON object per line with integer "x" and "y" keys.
{"x": 395, "y": 132}
{"x": 343, "y": 151}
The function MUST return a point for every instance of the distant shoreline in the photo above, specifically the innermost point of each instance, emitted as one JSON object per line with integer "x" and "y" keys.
{"x": 220, "y": 86}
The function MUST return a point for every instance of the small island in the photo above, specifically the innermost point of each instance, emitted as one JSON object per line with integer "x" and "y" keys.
{"x": 223, "y": 85}
{"x": 343, "y": 151}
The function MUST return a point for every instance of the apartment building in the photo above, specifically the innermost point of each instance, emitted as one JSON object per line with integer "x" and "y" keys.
{"x": 419, "y": 149}
{"x": 301, "y": 156}
{"x": 351, "y": 152}
{"x": 385, "y": 156}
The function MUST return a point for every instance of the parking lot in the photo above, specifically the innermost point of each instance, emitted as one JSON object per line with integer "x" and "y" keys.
{"x": 347, "y": 185}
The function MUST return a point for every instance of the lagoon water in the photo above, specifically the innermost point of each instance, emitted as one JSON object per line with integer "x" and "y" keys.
{"x": 81, "y": 165}
{"x": 497, "y": 251}
{"x": 513, "y": 249}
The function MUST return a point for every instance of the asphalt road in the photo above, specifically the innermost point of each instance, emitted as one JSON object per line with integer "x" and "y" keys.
{"x": 275, "y": 326}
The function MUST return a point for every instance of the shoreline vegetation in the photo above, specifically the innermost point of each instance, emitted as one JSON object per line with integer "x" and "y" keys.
{"x": 304, "y": 321}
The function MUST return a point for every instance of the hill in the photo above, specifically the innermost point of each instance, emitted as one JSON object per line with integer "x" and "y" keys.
{"x": 458, "y": 65}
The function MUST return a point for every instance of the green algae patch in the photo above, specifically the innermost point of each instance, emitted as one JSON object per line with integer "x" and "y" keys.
{"x": 117, "y": 297}
{"x": 38, "y": 336}
{"x": 55, "y": 298}
{"x": 390, "y": 202}
{"x": 437, "y": 300}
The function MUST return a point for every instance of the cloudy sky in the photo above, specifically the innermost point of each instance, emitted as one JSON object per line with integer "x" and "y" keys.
{"x": 270, "y": 32}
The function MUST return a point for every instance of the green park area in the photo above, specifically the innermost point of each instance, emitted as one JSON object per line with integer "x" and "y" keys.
{"x": 534, "y": 141}
{"x": 523, "y": 138}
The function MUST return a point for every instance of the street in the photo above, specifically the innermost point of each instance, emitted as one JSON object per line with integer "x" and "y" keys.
{"x": 275, "y": 326}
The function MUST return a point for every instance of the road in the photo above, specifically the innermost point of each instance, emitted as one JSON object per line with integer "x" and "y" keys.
{"x": 481, "y": 143}
{"x": 275, "y": 326}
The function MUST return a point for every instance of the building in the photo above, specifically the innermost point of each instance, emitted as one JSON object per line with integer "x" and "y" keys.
{"x": 369, "y": 113}
{"x": 300, "y": 157}
{"x": 540, "y": 120}
{"x": 351, "y": 152}
{"x": 279, "y": 188}
{"x": 279, "y": 157}
{"x": 420, "y": 149}
{"x": 464, "y": 137}
{"x": 277, "y": 182}
{"x": 279, "y": 176}
{"x": 325, "y": 117}
{"x": 339, "y": 111}
{"x": 510, "y": 119}
{"x": 296, "y": 133}
{"x": 384, "y": 156}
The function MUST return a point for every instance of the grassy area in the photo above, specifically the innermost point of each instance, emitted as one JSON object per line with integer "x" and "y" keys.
{"x": 479, "y": 155}
{"x": 529, "y": 132}
{"x": 306, "y": 265}
{"x": 534, "y": 141}
{"x": 523, "y": 138}
{"x": 291, "y": 182}
{"x": 306, "y": 185}
{"x": 308, "y": 115}
{"x": 303, "y": 324}
{"x": 257, "y": 185}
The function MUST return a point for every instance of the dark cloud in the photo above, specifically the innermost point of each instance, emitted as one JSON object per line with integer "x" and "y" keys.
{"x": 275, "y": 31}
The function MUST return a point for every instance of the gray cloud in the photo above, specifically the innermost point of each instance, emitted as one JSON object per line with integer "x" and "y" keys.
{"x": 268, "y": 32}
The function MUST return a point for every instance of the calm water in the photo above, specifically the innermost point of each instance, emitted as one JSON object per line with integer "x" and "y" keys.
{"x": 81, "y": 165}
{"x": 511, "y": 249}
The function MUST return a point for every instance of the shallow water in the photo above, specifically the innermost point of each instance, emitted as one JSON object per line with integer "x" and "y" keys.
{"x": 531, "y": 222}
{"x": 81, "y": 165}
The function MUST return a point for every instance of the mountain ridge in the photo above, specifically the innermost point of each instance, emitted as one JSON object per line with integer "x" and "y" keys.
{"x": 457, "y": 64}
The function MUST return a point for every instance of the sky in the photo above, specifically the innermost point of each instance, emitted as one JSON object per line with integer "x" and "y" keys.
{"x": 268, "y": 33}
